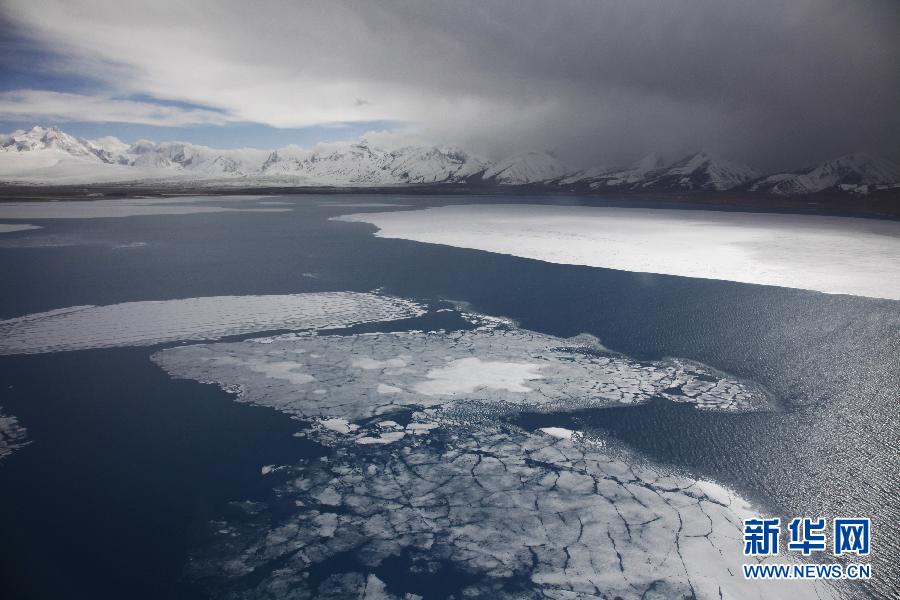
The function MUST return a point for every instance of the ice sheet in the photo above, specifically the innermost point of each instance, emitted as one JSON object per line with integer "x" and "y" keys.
{"x": 208, "y": 318}
{"x": 835, "y": 255}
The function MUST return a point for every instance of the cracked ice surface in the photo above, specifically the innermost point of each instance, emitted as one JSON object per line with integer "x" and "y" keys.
{"x": 208, "y": 318}
{"x": 12, "y": 435}
{"x": 546, "y": 514}
{"x": 526, "y": 515}
{"x": 362, "y": 376}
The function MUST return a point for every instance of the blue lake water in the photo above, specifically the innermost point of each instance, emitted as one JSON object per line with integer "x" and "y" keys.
{"x": 127, "y": 466}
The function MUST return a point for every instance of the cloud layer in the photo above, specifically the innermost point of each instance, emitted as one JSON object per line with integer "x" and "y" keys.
{"x": 771, "y": 82}
{"x": 39, "y": 105}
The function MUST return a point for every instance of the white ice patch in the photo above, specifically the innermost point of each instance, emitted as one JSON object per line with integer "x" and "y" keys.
{"x": 285, "y": 370}
{"x": 465, "y": 375}
{"x": 12, "y": 435}
{"x": 558, "y": 432}
{"x": 327, "y": 524}
{"x": 387, "y": 437}
{"x": 500, "y": 366}
{"x": 836, "y": 255}
{"x": 370, "y": 364}
{"x": 328, "y": 496}
{"x": 153, "y": 322}
{"x": 421, "y": 428}
{"x": 8, "y": 228}
{"x": 383, "y": 388}
{"x": 338, "y": 425}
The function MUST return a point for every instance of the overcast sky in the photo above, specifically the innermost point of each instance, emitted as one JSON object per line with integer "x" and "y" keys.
{"x": 775, "y": 83}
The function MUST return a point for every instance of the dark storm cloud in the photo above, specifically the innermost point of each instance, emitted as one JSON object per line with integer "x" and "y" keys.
{"x": 774, "y": 83}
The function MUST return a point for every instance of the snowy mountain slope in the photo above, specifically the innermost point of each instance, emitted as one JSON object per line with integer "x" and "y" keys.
{"x": 624, "y": 178}
{"x": 113, "y": 145}
{"x": 697, "y": 172}
{"x": 531, "y": 167}
{"x": 355, "y": 164}
{"x": 417, "y": 164}
{"x": 52, "y": 139}
{"x": 43, "y": 155}
{"x": 201, "y": 161}
{"x": 586, "y": 175}
{"x": 700, "y": 171}
{"x": 49, "y": 156}
{"x": 59, "y": 167}
{"x": 858, "y": 173}
{"x": 361, "y": 163}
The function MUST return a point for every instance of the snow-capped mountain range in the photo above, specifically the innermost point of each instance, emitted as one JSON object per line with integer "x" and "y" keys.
{"x": 41, "y": 156}
{"x": 851, "y": 172}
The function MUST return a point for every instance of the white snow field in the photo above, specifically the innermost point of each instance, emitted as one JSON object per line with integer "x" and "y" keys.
{"x": 835, "y": 255}
{"x": 124, "y": 207}
{"x": 208, "y": 318}
{"x": 9, "y": 228}
{"x": 552, "y": 510}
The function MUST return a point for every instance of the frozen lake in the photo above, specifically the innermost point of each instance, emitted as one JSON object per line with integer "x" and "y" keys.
{"x": 478, "y": 410}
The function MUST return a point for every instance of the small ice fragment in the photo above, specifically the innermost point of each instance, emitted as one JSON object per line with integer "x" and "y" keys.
{"x": 384, "y": 438}
{"x": 338, "y": 425}
{"x": 558, "y": 432}
{"x": 328, "y": 496}
{"x": 420, "y": 428}
{"x": 369, "y": 364}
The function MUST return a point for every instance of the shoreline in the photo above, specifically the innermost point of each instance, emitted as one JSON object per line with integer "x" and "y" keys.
{"x": 880, "y": 205}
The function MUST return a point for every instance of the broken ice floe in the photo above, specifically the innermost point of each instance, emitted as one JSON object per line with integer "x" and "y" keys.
{"x": 426, "y": 466}
{"x": 522, "y": 515}
{"x": 362, "y": 376}
{"x": 12, "y": 435}
{"x": 209, "y": 318}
